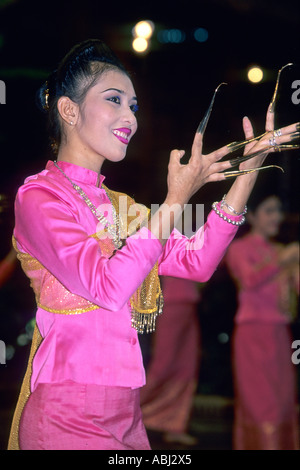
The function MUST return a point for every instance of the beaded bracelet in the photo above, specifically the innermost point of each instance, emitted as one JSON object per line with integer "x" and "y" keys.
{"x": 226, "y": 217}
{"x": 224, "y": 203}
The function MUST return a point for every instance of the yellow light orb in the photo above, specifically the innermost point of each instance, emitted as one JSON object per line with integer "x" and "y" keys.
{"x": 143, "y": 29}
{"x": 140, "y": 44}
{"x": 255, "y": 74}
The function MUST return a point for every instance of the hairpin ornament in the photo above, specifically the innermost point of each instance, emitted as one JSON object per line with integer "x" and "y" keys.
{"x": 46, "y": 93}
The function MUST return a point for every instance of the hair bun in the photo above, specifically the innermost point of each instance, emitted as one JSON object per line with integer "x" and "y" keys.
{"x": 46, "y": 92}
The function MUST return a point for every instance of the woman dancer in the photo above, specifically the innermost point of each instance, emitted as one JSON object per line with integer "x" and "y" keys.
{"x": 267, "y": 276}
{"x": 94, "y": 268}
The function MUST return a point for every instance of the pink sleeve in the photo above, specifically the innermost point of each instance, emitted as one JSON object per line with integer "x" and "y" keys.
{"x": 248, "y": 272}
{"x": 197, "y": 258}
{"x": 47, "y": 229}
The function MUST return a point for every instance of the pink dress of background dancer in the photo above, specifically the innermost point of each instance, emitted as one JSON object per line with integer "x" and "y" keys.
{"x": 89, "y": 363}
{"x": 172, "y": 375}
{"x": 264, "y": 376}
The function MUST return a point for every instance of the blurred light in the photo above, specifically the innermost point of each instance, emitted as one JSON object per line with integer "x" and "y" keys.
{"x": 10, "y": 352}
{"x": 175, "y": 36}
{"x": 143, "y": 29}
{"x": 223, "y": 338}
{"x": 29, "y": 327}
{"x": 201, "y": 34}
{"x": 23, "y": 339}
{"x": 140, "y": 44}
{"x": 255, "y": 74}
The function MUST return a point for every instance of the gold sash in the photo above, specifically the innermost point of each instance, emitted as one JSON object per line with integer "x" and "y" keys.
{"x": 147, "y": 302}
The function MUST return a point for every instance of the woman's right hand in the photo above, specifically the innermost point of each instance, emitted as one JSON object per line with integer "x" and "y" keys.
{"x": 184, "y": 180}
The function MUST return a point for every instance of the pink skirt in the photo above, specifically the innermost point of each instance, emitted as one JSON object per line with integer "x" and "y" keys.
{"x": 168, "y": 396}
{"x": 72, "y": 416}
{"x": 266, "y": 416}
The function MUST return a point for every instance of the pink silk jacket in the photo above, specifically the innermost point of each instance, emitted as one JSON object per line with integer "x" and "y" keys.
{"x": 55, "y": 226}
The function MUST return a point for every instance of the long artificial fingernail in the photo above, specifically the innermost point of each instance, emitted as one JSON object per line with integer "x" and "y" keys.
{"x": 232, "y": 174}
{"x": 202, "y": 126}
{"x": 274, "y": 98}
{"x": 233, "y": 146}
{"x": 238, "y": 145}
{"x": 233, "y": 162}
{"x": 236, "y": 161}
{"x": 286, "y": 147}
{"x": 295, "y": 136}
{"x": 244, "y": 158}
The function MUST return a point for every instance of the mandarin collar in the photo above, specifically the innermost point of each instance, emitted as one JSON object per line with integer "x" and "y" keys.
{"x": 76, "y": 172}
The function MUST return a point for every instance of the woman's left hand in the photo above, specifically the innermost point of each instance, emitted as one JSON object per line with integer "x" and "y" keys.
{"x": 288, "y": 134}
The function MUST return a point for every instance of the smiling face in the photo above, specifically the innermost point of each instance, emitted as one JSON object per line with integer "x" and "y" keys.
{"x": 105, "y": 122}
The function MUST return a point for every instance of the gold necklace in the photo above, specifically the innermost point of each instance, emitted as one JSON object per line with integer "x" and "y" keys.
{"x": 112, "y": 229}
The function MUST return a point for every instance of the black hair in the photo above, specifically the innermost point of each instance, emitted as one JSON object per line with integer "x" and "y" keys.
{"x": 264, "y": 189}
{"x": 77, "y": 72}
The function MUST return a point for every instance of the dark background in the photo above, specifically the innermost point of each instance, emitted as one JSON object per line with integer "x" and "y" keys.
{"x": 174, "y": 85}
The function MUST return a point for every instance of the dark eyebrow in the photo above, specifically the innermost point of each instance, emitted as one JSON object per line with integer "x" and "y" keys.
{"x": 119, "y": 91}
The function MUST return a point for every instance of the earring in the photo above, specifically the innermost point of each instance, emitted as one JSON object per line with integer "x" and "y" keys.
{"x": 71, "y": 123}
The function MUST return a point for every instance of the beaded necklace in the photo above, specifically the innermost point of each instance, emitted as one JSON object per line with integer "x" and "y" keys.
{"x": 112, "y": 229}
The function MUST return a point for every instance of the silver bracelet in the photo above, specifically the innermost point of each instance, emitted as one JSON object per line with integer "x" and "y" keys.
{"x": 227, "y": 218}
{"x": 224, "y": 203}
